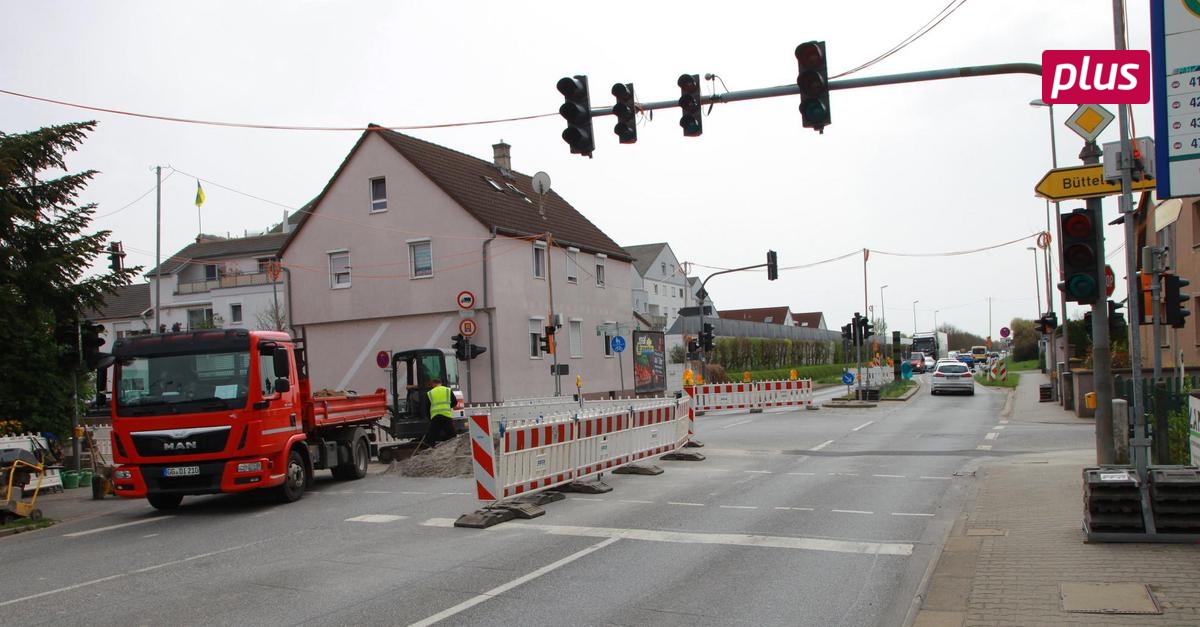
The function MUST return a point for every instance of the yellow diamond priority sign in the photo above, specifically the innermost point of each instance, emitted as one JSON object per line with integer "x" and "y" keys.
{"x": 1085, "y": 181}
{"x": 1088, "y": 121}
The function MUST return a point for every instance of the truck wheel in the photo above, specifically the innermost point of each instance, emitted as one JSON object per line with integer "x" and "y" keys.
{"x": 360, "y": 457}
{"x": 165, "y": 501}
{"x": 295, "y": 479}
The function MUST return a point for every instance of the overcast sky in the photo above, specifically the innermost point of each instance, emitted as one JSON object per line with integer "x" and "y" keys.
{"x": 911, "y": 169}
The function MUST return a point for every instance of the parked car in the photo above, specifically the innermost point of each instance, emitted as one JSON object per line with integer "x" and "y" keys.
{"x": 916, "y": 361}
{"x": 951, "y": 376}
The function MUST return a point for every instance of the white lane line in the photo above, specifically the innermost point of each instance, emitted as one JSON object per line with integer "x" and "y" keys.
{"x": 637, "y": 502}
{"x": 998, "y": 428}
{"x": 376, "y": 492}
{"x": 376, "y": 518}
{"x": 456, "y": 493}
{"x": 758, "y": 472}
{"x": 1003, "y": 422}
{"x": 939, "y": 478}
{"x": 850, "y": 511}
{"x": 685, "y": 504}
{"x": 501, "y": 589}
{"x": 797, "y": 509}
{"x": 864, "y": 425}
{"x": 843, "y": 474}
{"x": 680, "y": 537}
{"x": 821, "y": 445}
{"x": 991, "y": 435}
{"x": 802, "y": 474}
{"x": 737, "y": 424}
{"x": 907, "y": 514}
{"x": 739, "y": 507}
{"x": 890, "y": 476}
{"x": 585, "y": 498}
{"x": 417, "y": 493}
{"x": 111, "y": 527}
{"x": 984, "y": 447}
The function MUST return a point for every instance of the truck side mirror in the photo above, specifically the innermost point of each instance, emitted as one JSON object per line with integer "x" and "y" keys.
{"x": 282, "y": 386}
{"x": 280, "y": 357}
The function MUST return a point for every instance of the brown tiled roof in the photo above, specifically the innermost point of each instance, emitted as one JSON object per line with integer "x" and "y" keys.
{"x": 216, "y": 249}
{"x": 811, "y": 319}
{"x": 464, "y": 179}
{"x": 778, "y": 315}
{"x": 129, "y": 302}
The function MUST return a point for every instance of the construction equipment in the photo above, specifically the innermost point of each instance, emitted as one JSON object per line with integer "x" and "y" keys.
{"x": 102, "y": 484}
{"x": 17, "y": 467}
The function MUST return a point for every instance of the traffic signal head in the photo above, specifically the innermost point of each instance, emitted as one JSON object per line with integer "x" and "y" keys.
{"x": 868, "y": 329}
{"x": 706, "y": 337}
{"x": 548, "y": 339}
{"x": 847, "y": 332}
{"x": 90, "y": 342}
{"x": 1116, "y": 319}
{"x": 116, "y": 254}
{"x": 1080, "y": 230}
{"x": 577, "y": 110}
{"x": 813, "y": 81}
{"x": 1175, "y": 300}
{"x": 626, "y": 112}
{"x": 772, "y": 265}
{"x": 689, "y": 102}
{"x": 476, "y": 351}
{"x": 460, "y": 347}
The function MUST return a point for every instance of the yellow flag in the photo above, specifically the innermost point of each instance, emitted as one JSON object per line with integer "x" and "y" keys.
{"x": 199, "y": 195}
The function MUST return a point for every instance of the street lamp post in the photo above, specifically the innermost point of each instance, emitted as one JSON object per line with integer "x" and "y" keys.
{"x": 1063, "y": 296}
{"x": 883, "y": 317}
{"x": 1037, "y": 286}
{"x": 935, "y": 313}
{"x": 915, "y": 316}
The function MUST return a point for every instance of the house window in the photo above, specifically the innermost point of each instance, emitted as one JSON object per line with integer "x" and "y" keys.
{"x": 608, "y": 336}
{"x": 663, "y": 266}
{"x": 420, "y": 259}
{"x": 339, "y": 269}
{"x": 378, "y": 194}
{"x": 600, "y": 269}
{"x": 235, "y": 312}
{"x": 576, "y": 333}
{"x": 200, "y": 318}
{"x": 539, "y": 260}
{"x": 264, "y": 265}
{"x": 535, "y": 338}
{"x": 656, "y": 289}
{"x": 211, "y": 272}
{"x": 572, "y": 265}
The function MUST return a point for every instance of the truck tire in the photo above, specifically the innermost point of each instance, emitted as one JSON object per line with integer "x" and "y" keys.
{"x": 295, "y": 480}
{"x": 165, "y": 502}
{"x": 360, "y": 457}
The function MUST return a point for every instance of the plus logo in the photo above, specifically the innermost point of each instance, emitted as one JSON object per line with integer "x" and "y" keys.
{"x": 1096, "y": 76}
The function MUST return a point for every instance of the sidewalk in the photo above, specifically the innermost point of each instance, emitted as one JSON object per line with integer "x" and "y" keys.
{"x": 1019, "y": 545}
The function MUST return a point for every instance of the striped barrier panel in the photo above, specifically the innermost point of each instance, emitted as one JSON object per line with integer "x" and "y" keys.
{"x": 715, "y": 396}
{"x": 749, "y": 396}
{"x": 514, "y": 458}
{"x": 785, "y": 393}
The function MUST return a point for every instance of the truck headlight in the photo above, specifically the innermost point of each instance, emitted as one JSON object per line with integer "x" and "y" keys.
{"x": 122, "y": 474}
{"x": 249, "y": 467}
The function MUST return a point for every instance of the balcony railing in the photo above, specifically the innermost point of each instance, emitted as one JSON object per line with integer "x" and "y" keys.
{"x": 227, "y": 281}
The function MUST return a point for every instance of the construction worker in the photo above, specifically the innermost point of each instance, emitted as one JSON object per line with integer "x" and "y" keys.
{"x": 441, "y": 413}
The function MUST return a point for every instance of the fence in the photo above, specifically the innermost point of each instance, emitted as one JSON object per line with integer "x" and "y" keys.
{"x": 527, "y": 447}
{"x": 754, "y": 396}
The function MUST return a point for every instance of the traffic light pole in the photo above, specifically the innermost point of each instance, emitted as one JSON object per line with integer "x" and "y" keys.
{"x": 704, "y": 353}
{"x": 1101, "y": 351}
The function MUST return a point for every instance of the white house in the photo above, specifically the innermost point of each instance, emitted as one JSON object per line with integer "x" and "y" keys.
{"x": 659, "y": 284}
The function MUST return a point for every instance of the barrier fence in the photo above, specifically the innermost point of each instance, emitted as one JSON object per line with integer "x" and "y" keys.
{"x": 753, "y": 396}
{"x": 514, "y": 454}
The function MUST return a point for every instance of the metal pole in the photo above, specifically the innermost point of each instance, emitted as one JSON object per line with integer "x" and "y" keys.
{"x": 157, "y": 248}
{"x": 75, "y": 396}
{"x": 551, "y": 322}
{"x": 866, "y": 310}
{"x": 1151, "y": 268}
{"x": 915, "y": 315}
{"x": 883, "y": 318}
{"x": 1037, "y": 286}
{"x": 1101, "y": 351}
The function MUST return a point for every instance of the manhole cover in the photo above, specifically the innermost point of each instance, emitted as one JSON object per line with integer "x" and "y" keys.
{"x": 1108, "y": 598}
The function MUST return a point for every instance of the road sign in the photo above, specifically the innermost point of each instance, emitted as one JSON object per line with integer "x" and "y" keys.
{"x": 466, "y": 326}
{"x": 466, "y": 300}
{"x": 383, "y": 359}
{"x": 1110, "y": 281}
{"x": 618, "y": 344}
{"x": 1005, "y": 331}
{"x": 847, "y": 378}
{"x": 1083, "y": 181}
{"x": 1174, "y": 43}
{"x": 1089, "y": 120}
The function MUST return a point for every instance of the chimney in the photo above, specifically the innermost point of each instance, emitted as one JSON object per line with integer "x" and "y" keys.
{"x": 286, "y": 226}
{"x": 501, "y": 156}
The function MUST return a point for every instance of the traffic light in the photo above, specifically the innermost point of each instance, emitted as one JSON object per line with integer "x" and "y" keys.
{"x": 548, "y": 339}
{"x": 868, "y": 329}
{"x": 693, "y": 345}
{"x": 856, "y": 329}
{"x": 848, "y": 332}
{"x": 1080, "y": 264}
{"x": 1175, "y": 301}
{"x": 90, "y": 341}
{"x": 813, "y": 82}
{"x": 577, "y": 110}
{"x": 626, "y": 112}
{"x": 689, "y": 101}
{"x": 66, "y": 338}
{"x": 706, "y": 337}
{"x": 476, "y": 351}
{"x": 772, "y": 265}
{"x": 1116, "y": 319}
{"x": 116, "y": 253}
{"x": 461, "y": 350}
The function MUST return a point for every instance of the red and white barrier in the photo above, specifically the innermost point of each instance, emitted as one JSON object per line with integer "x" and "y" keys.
{"x": 750, "y": 396}
{"x": 785, "y": 393}
{"x": 515, "y": 457}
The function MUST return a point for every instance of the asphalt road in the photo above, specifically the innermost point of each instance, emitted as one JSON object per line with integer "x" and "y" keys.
{"x": 826, "y": 517}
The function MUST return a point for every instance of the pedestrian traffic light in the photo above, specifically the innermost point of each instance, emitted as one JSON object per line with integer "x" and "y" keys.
{"x": 706, "y": 337}
{"x": 689, "y": 102}
{"x": 626, "y": 112}
{"x": 1079, "y": 260}
{"x": 116, "y": 254}
{"x": 577, "y": 110}
{"x": 1175, "y": 300}
{"x": 548, "y": 339}
{"x": 772, "y": 265}
{"x": 813, "y": 82}
{"x": 461, "y": 350}
{"x": 90, "y": 342}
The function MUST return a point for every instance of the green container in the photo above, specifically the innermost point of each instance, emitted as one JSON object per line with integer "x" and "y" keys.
{"x": 70, "y": 479}
{"x": 85, "y": 479}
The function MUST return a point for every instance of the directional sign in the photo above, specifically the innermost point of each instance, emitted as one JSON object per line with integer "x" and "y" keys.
{"x": 1084, "y": 181}
{"x": 466, "y": 300}
{"x": 847, "y": 378}
{"x": 466, "y": 326}
{"x": 618, "y": 344}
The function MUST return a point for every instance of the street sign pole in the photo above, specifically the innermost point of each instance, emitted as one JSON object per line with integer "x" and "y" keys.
{"x": 1101, "y": 351}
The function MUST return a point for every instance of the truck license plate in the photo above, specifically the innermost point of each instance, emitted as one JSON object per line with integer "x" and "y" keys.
{"x": 181, "y": 471}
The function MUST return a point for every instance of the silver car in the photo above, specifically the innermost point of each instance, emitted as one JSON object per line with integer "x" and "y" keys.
{"x": 952, "y": 376}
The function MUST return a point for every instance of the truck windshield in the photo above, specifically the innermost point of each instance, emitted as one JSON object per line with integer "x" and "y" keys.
{"x": 153, "y": 384}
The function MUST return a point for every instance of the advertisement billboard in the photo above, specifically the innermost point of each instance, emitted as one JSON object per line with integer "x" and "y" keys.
{"x": 649, "y": 362}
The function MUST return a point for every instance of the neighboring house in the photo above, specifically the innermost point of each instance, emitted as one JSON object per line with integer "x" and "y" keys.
{"x": 811, "y": 320}
{"x": 1174, "y": 223}
{"x": 659, "y": 284}
{"x": 766, "y": 315}
{"x": 128, "y": 312}
{"x": 404, "y": 226}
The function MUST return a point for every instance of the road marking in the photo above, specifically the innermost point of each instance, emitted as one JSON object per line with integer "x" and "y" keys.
{"x": 111, "y": 527}
{"x": 684, "y": 504}
{"x": 758, "y": 472}
{"x": 998, "y": 428}
{"x": 739, "y": 507}
{"x": 797, "y": 509}
{"x": 940, "y": 478}
{"x": 991, "y": 435}
{"x": 850, "y": 511}
{"x": 731, "y": 539}
{"x": 984, "y": 447}
{"x": 843, "y": 474}
{"x": 802, "y": 474}
{"x": 737, "y": 424}
{"x": 456, "y": 493}
{"x": 637, "y": 502}
{"x": 498, "y": 590}
{"x": 376, "y": 492}
{"x": 376, "y": 518}
{"x": 907, "y": 514}
{"x": 864, "y": 425}
{"x": 585, "y": 498}
{"x": 417, "y": 493}
{"x": 1003, "y": 422}
{"x": 890, "y": 476}
{"x": 821, "y": 445}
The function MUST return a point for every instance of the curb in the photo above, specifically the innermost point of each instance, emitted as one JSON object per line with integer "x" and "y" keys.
{"x": 907, "y": 395}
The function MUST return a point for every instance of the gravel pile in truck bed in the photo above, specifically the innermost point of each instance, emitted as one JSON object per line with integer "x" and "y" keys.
{"x": 451, "y": 458}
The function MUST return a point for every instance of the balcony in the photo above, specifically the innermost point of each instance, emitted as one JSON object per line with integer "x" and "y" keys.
{"x": 227, "y": 281}
{"x": 657, "y": 322}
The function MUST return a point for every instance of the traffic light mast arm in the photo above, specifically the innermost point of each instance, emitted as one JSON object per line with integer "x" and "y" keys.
{"x": 849, "y": 83}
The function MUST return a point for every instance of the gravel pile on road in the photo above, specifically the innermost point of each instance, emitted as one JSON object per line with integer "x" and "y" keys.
{"x": 451, "y": 458}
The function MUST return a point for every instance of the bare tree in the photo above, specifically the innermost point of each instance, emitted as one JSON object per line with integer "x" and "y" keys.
{"x": 273, "y": 318}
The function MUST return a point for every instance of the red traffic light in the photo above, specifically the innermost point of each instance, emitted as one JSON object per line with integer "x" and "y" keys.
{"x": 1077, "y": 225}
{"x": 810, "y": 55}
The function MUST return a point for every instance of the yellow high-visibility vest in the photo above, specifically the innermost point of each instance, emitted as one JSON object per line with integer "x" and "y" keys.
{"x": 441, "y": 402}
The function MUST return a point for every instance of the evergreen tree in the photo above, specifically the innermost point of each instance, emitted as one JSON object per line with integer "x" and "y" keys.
{"x": 45, "y": 253}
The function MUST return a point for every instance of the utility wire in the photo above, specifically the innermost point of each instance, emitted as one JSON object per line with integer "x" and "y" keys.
{"x": 919, "y": 33}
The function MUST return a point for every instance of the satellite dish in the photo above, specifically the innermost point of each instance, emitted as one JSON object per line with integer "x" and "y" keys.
{"x": 541, "y": 183}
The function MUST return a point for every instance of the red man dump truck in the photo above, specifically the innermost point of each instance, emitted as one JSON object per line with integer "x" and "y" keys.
{"x": 219, "y": 410}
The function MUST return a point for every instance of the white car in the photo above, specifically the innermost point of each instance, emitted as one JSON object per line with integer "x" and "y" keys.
{"x": 951, "y": 376}
{"x": 930, "y": 362}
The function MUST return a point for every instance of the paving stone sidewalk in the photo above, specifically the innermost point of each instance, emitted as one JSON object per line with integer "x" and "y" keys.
{"x": 1020, "y": 539}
